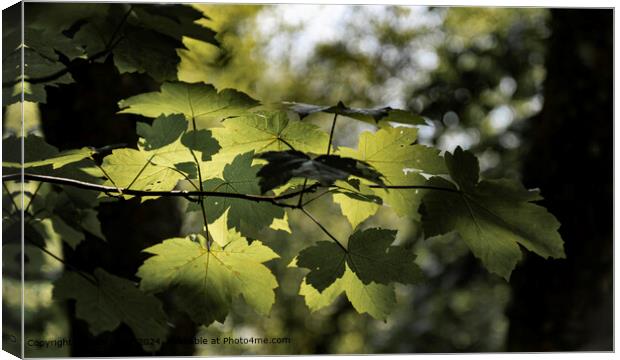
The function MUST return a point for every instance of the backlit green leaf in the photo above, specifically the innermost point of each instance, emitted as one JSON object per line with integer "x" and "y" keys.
{"x": 375, "y": 299}
{"x": 198, "y": 101}
{"x": 392, "y": 152}
{"x": 208, "y": 280}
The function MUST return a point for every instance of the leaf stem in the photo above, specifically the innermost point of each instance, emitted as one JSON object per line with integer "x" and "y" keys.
{"x": 301, "y": 194}
{"x": 331, "y": 134}
{"x": 202, "y": 202}
{"x": 423, "y": 187}
{"x": 324, "y": 229}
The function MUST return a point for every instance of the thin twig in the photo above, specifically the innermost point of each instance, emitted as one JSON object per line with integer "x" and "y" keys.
{"x": 6, "y": 188}
{"x": 318, "y": 196}
{"x": 59, "y": 259}
{"x": 34, "y": 194}
{"x": 422, "y": 187}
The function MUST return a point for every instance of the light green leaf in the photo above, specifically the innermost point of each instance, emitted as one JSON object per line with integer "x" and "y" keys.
{"x": 248, "y": 217}
{"x": 221, "y": 233}
{"x": 392, "y": 152}
{"x": 208, "y": 280}
{"x": 109, "y": 300}
{"x": 270, "y": 131}
{"x": 41, "y": 158}
{"x": 375, "y": 299}
{"x": 356, "y": 205}
{"x": 198, "y": 101}
{"x": 494, "y": 217}
{"x": 135, "y": 169}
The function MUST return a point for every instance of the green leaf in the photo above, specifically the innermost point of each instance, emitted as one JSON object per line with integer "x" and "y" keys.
{"x": 108, "y": 300}
{"x": 249, "y": 217}
{"x": 392, "y": 152}
{"x": 40, "y": 61}
{"x": 221, "y": 233}
{"x": 282, "y": 166}
{"x": 164, "y": 130}
{"x": 174, "y": 20}
{"x": 140, "y": 170}
{"x": 373, "y": 116}
{"x": 90, "y": 222}
{"x": 375, "y": 299}
{"x": 494, "y": 217}
{"x": 201, "y": 140}
{"x": 269, "y": 131}
{"x": 147, "y": 51}
{"x": 356, "y": 205}
{"x": 208, "y": 280}
{"x": 368, "y": 254}
{"x": 198, "y": 101}
{"x": 326, "y": 262}
{"x": 43, "y": 158}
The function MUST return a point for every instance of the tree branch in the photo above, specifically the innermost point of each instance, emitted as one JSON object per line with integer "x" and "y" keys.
{"x": 180, "y": 193}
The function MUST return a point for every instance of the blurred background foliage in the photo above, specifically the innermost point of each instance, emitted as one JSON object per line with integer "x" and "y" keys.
{"x": 475, "y": 74}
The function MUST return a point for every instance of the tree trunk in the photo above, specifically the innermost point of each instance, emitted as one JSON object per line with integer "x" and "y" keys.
{"x": 84, "y": 114}
{"x": 567, "y": 304}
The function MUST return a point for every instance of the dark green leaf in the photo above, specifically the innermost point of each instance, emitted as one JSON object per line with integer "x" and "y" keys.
{"x": 326, "y": 263}
{"x": 372, "y": 116}
{"x": 248, "y": 217}
{"x": 369, "y": 255}
{"x": 164, "y": 130}
{"x": 108, "y": 300}
{"x": 493, "y": 217}
{"x": 201, "y": 140}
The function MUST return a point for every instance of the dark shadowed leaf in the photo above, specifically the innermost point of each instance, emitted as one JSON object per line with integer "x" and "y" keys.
{"x": 372, "y": 116}
{"x": 284, "y": 165}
